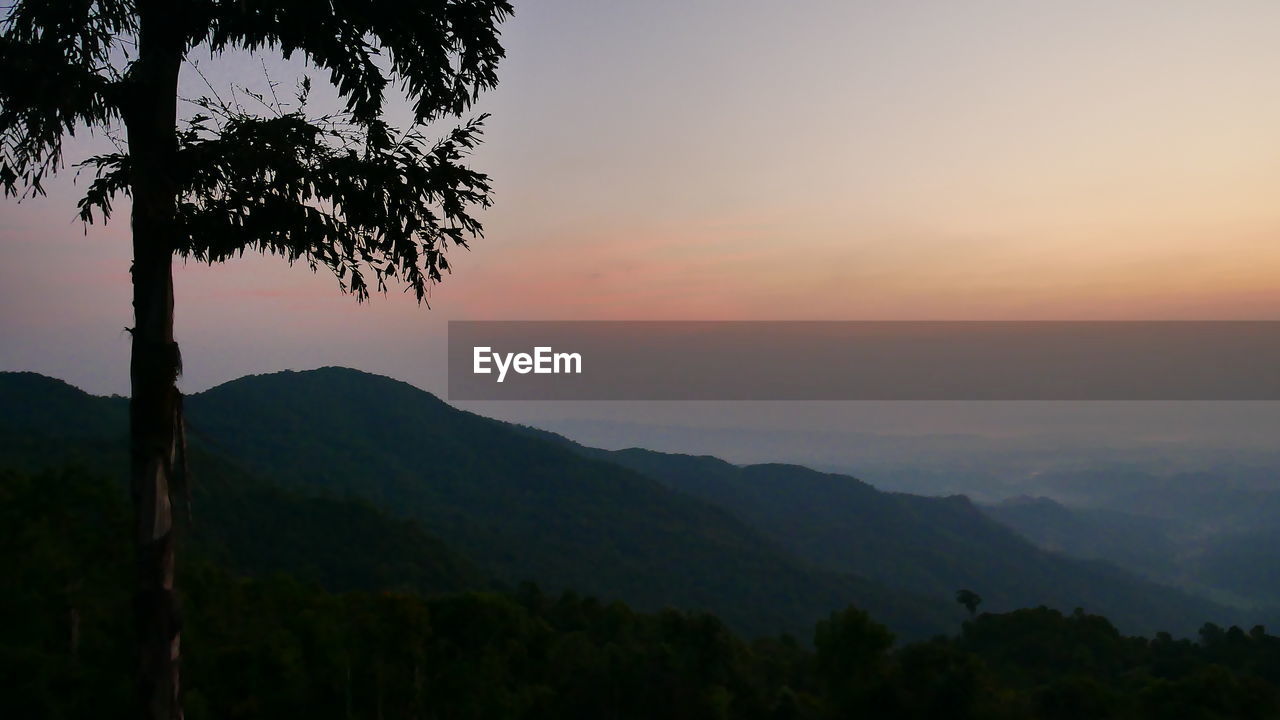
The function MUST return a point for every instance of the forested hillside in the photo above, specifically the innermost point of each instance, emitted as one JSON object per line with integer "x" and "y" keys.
{"x": 356, "y": 460}
{"x": 277, "y": 458}
{"x": 283, "y": 647}
{"x": 1229, "y": 551}
{"x": 927, "y": 545}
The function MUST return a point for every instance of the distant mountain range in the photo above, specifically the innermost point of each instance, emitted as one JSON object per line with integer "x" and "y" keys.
{"x": 1225, "y": 546}
{"x": 928, "y": 545}
{"x": 1137, "y": 542}
{"x": 360, "y": 481}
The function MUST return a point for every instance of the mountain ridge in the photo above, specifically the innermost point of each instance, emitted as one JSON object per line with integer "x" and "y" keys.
{"x": 836, "y": 521}
{"x": 528, "y": 504}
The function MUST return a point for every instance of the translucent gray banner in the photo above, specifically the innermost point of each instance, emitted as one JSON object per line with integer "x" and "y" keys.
{"x": 644, "y": 360}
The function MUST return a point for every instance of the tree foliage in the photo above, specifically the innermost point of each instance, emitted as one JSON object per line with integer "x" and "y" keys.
{"x": 969, "y": 599}
{"x": 344, "y": 190}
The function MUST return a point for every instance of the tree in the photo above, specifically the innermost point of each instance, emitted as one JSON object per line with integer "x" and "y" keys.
{"x": 851, "y": 658}
{"x": 969, "y": 599}
{"x": 346, "y": 190}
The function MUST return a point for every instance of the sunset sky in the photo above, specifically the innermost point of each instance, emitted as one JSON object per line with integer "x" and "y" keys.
{"x": 744, "y": 160}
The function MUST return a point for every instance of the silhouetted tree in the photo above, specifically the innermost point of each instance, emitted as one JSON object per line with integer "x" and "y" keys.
{"x": 969, "y": 599}
{"x": 346, "y": 191}
{"x": 851, "y": 654}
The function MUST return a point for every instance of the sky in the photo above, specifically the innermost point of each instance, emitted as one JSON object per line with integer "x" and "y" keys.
{"x": 731, "y": 159}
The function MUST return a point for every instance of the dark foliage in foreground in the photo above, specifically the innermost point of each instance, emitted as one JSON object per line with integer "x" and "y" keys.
{"x": 283, "y": 647}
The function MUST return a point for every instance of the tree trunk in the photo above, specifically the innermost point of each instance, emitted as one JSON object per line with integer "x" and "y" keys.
{"x": 152, "y": 421}
{"x": 154, "y": 405}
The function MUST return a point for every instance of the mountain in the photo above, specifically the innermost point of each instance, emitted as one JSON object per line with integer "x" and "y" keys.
{"x": 245, "y": 524}
{"x": 1225, "y": 495}
{"x": 926, "y": 545}
{"x": 358, "y": 466}
{"x": 1245, "y": 564}
{"x": 339, "y": 543}
{"x": 1147, "y": 545}
{"x": 522, "y": 507}
{"x": 1212, "y": 555}
{"x": 46, "y": 423}
{"x": 769, "y": 547}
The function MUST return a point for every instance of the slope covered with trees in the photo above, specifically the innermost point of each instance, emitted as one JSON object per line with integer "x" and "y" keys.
{"x": 926, "y": 545}
{"x": 271, "y": 453}
{"x": 283, "y": 647}
{"x": 769, "y": 548}
{"x": 249, "y": 526}
{"x": 1230, "y": 551}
